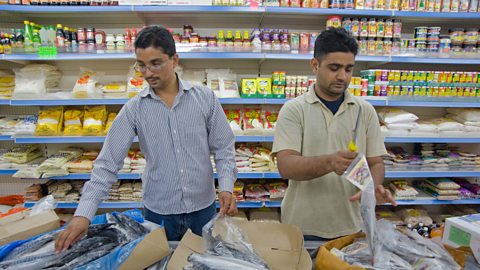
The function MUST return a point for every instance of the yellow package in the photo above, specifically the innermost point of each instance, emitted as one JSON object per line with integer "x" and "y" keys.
{"x": 49, "y": 122}
{"x": 136, "y": 83}
{"x": 85, "y": 85}
{"x": 94, "y": 120}
{"x": 111, "y": 117}
{"x": 73, "y": 122}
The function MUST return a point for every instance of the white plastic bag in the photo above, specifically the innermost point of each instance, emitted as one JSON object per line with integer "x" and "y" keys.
{"x": 29, "y": 84}
{"x": 395, "y": 116}
{"x": 44, "y": 204}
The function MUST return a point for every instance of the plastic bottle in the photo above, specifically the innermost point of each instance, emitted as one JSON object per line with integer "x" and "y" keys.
{"x": 7, "y": 45}
{"x": 44, "y": 35}
{"x": 238, "y": 39}
{"x": 229, "y": 42}
{"x": 28, "y": 36}
{"x": 60, "y": 37}
{"x": 37, "y": 41}
{"x": 256, "y": 41}
{"x": 221, "y": 38}
{"x": 68, "y": 38}
{"x": 19, "y": 39}
{"x": 246, "y": 40}
{"x": 74, "y": 39}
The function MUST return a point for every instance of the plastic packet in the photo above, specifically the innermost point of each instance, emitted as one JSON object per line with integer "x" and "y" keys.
{"x": 223, "y": 238}
{"x": 49, "y": 121}
{"x": 94, "y": 120}
{"x": 29, "y": 83}
{"x": 270, "y": 116}
{"x": 136, "y": 83}
{"x": 252, "y": 121}
{"x": 44, "y": 204}
{"x": 110, "y": 119}
{"x": 358, "y": 173}
{"x": 234, "y": 117}
{"x": 72, "y": 122}
{"x": 223, "y": 82}
{"x": 86, "y": 84}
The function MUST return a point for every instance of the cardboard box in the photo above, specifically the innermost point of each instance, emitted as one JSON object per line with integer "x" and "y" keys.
{"x": 280, "y": 245}
{"x": 150, "y": 250}
{"x": 29, "y": 226}
{"x": 463, "y": 232}
{"x": 14, "y": 217}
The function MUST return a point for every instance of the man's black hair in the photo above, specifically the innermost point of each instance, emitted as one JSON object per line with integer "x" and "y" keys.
{"x": 157, "y": 37}
{"x": 334, "y": 40}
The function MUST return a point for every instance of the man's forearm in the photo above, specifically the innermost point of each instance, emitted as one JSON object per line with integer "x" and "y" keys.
{"x": 301, "y": 168}
{"x": 378, "y": 173}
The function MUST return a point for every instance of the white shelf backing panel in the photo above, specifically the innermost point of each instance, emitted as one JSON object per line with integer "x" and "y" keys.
{"x": 10, "y": 185}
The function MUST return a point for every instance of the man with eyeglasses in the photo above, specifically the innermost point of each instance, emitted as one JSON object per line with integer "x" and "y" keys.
{"x": 178, "y": 126}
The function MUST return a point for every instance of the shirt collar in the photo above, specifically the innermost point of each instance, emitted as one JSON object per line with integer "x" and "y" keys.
{"x": 182, "y": 85}
{"x": 311, "y": 96}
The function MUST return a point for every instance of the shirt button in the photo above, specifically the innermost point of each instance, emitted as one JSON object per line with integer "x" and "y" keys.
{"x": 185, "y": 188}
{"x": 181, "y": 171}
{"x": 178, "y": 151}
{"x": 174, "y": 132}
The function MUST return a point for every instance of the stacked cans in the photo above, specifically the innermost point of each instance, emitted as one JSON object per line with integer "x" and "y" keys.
{"x": 427, "y": 39}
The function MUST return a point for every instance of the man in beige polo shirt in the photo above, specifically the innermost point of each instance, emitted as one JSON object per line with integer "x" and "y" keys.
{"x": 311, "y": 144}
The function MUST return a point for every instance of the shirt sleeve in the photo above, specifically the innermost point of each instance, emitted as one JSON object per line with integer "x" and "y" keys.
{"x": 375, "y": 138}
{"x": 221, "y": 141}
{"x": 289, "y": 129}
{"x": 108, "y": 164}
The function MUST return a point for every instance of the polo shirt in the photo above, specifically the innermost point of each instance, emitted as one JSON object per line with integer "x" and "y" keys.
{"x": 321, "y": 206}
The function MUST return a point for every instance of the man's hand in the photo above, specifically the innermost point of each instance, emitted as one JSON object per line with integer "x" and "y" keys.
{"x": 341, "y": 160}
{"x": 382, "y": 196}
{"x": 227, "y": 204}
{"x": 75, "y": 230}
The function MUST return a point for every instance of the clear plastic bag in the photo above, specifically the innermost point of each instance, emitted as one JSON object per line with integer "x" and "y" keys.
{"x": 44, "y": 204}
{"x": 29, "y": 84}
{"x": 230, "y": 246}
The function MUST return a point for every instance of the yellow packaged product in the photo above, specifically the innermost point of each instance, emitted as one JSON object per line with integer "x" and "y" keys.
{"x": 94, "y": 120}
{"x": 49, "y": 122}
{"x": 111, "y": 117}
{"x": 73, "y": 122}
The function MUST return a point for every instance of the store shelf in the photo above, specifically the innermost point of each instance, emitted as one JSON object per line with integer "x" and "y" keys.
{"x": 69, "y": 56}
{"x": 64, "y": 9}
{"x": 260, "y": 175}
{"x": 6, "y": 138}
{"x": 114, "y": 205}
{"x": 63, "y": 139}
{"x": 8, "y": 172}
{"x": 430, "y": 140}
{"x": 423, "y": 103}
{"x": 194, "y": 9}
{"x": 240, "y": 101}
{"x": 437, "y": 15}
{"x": 437, "y": 202}
{"x": 423, "y": 173}
{"x": 4, "y": 101}
{"x": 66, "y": 102}
{"x": 436, "y": 60}
{"x": 220, "y": 55}
{"x": 87, "y": 176}
{"x": 327, "y": 11}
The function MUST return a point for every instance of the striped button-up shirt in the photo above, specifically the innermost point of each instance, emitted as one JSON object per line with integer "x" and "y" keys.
{"x": 177, "y": 143}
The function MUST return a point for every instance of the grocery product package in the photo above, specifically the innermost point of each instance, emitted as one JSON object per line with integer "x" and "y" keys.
{"x": 252, "y": 121}
{"x": 50, "y": 121}
{"x": 223, "y": 83}
{"x": 396, "y": 116}
{"x": 29, "y": 84}
{"x": 94, "y": 120}
{"x": 52, "y": 74}
{"x": 114, "y": 90}
{"x": 73, "y": 122}
{"x": 110, "y": 119}
{"x": 136, "y": 83}
{"x": 7, "y": 85}
{"x": 86, "y": 85}
{"x": 234, "y": 117}
{"x": 270, "y": 116}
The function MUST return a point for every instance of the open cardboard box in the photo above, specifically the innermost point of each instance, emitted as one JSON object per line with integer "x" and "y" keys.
{"x": 150, "y": 250}
{"x": 28, "y": 226}
{"x": 14, "y": 217}
{"x": 280, "y": 245}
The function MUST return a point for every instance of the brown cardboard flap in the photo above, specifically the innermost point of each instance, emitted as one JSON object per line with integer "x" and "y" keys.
{"x": 150, "y": 250}
{"x": 28, "y": 227}
{"x": 280, "y": 245}
{"x": 14, "y": 217}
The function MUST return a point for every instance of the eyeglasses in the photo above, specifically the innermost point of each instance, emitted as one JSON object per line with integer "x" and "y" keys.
{"x": 153, "y": 68}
